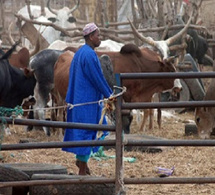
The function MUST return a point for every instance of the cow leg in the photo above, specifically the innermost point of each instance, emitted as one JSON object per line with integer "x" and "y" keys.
{"x": 145, "y": 117}
{"x": 159, "y": 117}
{"x": 157, "y": 98}
{"x": 127, "y": 118}
{"x": 61, "y": 118}
{"x": 7, "y": 130}
{"x": 27, "y": 104}
{"x": 59, "y": 113}
{"x": 40, "y": 115}
{"x": 151, "y": 119}
{"x": 41, "y": 103}
{"x": 30, "y": 116}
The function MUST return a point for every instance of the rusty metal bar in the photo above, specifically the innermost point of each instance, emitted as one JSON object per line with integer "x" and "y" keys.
{"x": 42, "y": 145}
{"x": 169, "y": 180}
{"x": 58, "y": 124}
{"x": 167, "y": 75}
{"x": 156, "y": 142}
{"x": 182, "y": 104}
{"x": 129, "y": 142}
{"x": 86, "y": 180}
{"x": 82, "y": 180}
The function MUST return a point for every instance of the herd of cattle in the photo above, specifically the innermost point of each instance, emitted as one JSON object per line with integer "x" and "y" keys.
{"x": 45, "y": 75}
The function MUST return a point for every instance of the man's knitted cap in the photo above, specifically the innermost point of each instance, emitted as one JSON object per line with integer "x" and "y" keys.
{"x": 89, "y": 28}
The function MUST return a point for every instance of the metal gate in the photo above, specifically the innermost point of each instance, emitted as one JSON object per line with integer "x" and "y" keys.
{"x": 119, "y": 142}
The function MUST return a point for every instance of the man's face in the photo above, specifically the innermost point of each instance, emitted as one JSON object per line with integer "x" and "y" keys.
{"x": 95, "y": 38}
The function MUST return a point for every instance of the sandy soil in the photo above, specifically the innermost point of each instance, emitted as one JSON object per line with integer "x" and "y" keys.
{"x": 188, "y": 161}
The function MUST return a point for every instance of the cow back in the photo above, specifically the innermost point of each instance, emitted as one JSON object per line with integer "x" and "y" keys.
{"x": 61, "y": 73}
{"x": 133, "y": 60}
{"x": 43, "y": 65}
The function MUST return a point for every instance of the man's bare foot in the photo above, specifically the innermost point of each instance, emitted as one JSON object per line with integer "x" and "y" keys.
{"x": 81, "y": 166}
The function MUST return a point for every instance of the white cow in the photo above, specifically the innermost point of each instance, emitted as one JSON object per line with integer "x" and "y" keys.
{"x": 62, "y": 17}
{"x": 106, "y": 45}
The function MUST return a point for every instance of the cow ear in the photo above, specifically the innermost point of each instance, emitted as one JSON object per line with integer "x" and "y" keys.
{"x": 28, "y": 72}
{"x": 52, "y": 19}
{"x": 71, "y": 19}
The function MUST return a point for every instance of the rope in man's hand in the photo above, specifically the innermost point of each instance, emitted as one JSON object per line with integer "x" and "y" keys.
{"x": 109, "y": 103}
{"x": 110, "y": 107}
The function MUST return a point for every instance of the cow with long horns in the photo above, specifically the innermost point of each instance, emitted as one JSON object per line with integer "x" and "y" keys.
{"x": 134, "y": 60}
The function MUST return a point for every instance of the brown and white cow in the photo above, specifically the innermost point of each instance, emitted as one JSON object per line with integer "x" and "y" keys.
{"x": 132, "y": 59}
{"x": 204, "y": 116}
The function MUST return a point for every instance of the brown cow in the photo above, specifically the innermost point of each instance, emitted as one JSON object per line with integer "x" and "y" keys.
{"x": 133, "y": 60}
{"x": 61, "y": 77}
{"x": 129, "y": 59}
{"x": 148, "y": 113}
{"x": 204, "y": 116}
{"x": 61, "y": 80}
{"x": 141, "y": 90}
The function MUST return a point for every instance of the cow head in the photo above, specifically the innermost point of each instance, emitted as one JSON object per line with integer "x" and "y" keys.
{"x": 163, "y": 45}
{"x": 204, "y": 119}
{"x": 63, "y": 16}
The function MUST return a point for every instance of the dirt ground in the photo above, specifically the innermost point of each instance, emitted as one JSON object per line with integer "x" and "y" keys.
{"x": 188, "y": 161}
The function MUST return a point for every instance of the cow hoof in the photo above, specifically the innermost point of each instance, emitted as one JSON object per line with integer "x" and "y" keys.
{"x": 29, "y": 128}
{"x": 48, "y": 132}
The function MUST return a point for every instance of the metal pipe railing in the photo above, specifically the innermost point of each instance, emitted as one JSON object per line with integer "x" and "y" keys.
{"x": 152, "y": 75}
{"x": 57, "y": 124}
{"x": 119, "y": 138}
{"x": 182, "y": 104}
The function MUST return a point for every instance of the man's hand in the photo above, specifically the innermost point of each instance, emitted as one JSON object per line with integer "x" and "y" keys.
{"x": 112, "y": 99}
{"x": 110, "y": 104}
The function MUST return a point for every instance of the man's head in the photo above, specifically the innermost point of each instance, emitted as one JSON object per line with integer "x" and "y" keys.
{"x": 91, "y": 35}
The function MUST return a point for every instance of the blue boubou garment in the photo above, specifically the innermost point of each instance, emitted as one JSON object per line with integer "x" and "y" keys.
{"x": 86, "y": 84}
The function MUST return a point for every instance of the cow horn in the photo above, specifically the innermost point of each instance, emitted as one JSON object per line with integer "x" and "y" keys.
{"x": 141, "y": 37}
{"x": 55, "y": 12}
{"x": 76, "y": 6}
{"x": 36, "y": 48}
{"x": 50, "y": 9}
{"x": 171, "y": 40}
{"x": 10, "y": 38}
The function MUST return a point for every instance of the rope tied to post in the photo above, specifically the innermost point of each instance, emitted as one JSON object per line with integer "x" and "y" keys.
{"x": 108, "y": 102}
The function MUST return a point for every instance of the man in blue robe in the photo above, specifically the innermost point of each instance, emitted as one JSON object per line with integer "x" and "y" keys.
{"x": 86, "y": 84}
